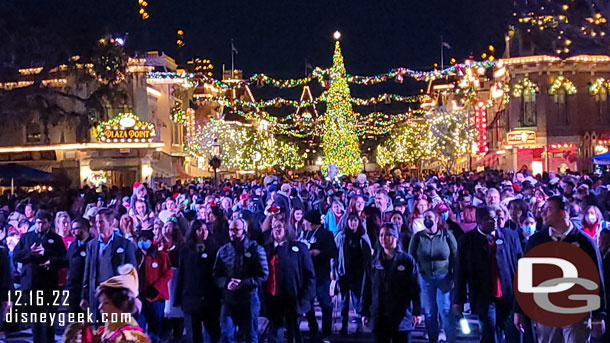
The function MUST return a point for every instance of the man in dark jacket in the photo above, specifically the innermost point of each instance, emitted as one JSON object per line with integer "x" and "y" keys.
{"x": 240, "y": 269}
{"x": 559, "y": 228}
{"x": 42, "y": 253}
{"x": 486, "y": 264}
{"x": 322, "y": 248}
{"x": 76, "y": 258}
{"x": 104, "y": 255}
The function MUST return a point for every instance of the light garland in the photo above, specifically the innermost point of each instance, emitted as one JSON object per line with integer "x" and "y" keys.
{"x": 600, "y": 85}
{"x": 560, "y": 82}
{"x": 525, "y": 86}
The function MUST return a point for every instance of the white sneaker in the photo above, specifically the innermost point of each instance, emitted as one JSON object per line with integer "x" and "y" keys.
{"x": 442, "y": 337}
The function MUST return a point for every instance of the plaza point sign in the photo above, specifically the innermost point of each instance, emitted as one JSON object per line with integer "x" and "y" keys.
{"x": 125, "y": 128}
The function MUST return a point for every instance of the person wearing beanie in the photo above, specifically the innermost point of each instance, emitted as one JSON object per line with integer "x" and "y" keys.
{"x": 391, "y": 290}
{"x": 322, "y": 248}
{"x": 154, "y": 273}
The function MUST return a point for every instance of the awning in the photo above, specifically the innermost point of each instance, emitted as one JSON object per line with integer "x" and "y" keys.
{"x": 21, "y": 175}
{"x": 603, "y": 159}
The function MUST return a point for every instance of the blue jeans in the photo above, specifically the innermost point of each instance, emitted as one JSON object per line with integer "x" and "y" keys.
{"x": 434, "y": 300}
{"x": 246, "y": 319}
{"x": 152, "y": 314}
{"x": 354, "y": 289}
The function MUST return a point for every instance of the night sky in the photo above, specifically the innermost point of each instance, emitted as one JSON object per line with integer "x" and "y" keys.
{"x": 274, "y": 36}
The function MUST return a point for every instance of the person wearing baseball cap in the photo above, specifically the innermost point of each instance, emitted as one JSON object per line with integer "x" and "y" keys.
{"x": 322, "y": 248}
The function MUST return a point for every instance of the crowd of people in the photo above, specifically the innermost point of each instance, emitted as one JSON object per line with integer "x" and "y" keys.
{"x": 202, "y": 263}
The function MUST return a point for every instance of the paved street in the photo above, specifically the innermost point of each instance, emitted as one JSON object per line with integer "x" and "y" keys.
{"x": 418, "y": 336}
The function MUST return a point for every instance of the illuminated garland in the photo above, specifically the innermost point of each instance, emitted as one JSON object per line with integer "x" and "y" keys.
{"x": 561, "y": 82}
{"x": 339, "y": 138}
{"x": 290, "y": 83}
{"x": 277, "y": 102}
{"x": 321, "y": 75}
{"x": 600, "y": 85}
{"x": 525, "y": 86}
{"x": 179, "y": 116}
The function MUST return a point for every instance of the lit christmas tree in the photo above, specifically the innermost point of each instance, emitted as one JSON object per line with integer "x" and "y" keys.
{"x": 409, "y": 144}
{"x": 339, "y": 138}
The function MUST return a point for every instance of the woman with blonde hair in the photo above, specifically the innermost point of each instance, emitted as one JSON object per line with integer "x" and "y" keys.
{"x": 62, "y": 227}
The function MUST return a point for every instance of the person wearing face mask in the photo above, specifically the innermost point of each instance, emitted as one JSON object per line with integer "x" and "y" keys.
{"x": 444, "y": 210}
{"x": 354, "y": 254}
{"x": 486, "y": 264}
{"x": 435, "y": 250}
{"x": 390, "y": 294}
{"x": 154, "y": 273}
{"x": 593, "y": 222}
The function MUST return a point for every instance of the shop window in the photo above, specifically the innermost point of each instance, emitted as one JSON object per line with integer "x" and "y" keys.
{"x": 561, "y": 98}
{"x": 33, "y": 133}
{"x": 603, "y": 106}
{"x": 528, "y": 109}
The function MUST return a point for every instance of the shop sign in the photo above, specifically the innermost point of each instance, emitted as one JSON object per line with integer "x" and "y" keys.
{"x": 125, "y": 128}
{"x": 521, "y": 137}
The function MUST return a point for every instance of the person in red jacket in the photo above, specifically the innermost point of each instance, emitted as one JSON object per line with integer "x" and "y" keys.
{"x": 154, "y": 272}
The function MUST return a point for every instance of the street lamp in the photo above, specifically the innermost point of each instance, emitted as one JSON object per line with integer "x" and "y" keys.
{"x": 215, "y": 160}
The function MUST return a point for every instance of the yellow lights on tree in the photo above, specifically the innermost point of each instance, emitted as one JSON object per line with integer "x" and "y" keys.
{"x": 339, "y": 137}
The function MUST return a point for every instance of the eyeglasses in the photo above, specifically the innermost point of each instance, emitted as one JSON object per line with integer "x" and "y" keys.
{"x": 235, "y": 229}
{"x": 277, "y": 227}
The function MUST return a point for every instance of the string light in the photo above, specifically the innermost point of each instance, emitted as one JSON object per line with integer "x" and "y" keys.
{"x": 560, "y": 82}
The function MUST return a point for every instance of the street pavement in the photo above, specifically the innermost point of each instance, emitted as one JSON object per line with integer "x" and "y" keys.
{"x": 418, "y": 335}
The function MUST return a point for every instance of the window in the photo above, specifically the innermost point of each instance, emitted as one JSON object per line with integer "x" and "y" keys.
{"x": 528, "y": 108}
{"x": 33, "y": 133}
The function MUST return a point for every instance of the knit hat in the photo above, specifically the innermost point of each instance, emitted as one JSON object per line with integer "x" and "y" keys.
{"x": 313, "y": 217}
{"x": 127, "y": 278}
{"x": 137, "y": 184}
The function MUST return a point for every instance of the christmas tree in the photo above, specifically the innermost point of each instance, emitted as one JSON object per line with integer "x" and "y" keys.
{"x": 561, "y": 27}
{"x": 409, "y": 144}
{"x": 339, "y": 138}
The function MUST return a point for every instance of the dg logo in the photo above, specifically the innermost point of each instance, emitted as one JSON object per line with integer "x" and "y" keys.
{"x": 557, "y": 284}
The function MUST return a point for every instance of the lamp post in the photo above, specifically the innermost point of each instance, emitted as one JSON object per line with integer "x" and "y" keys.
{"x": 215, "y": 160}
